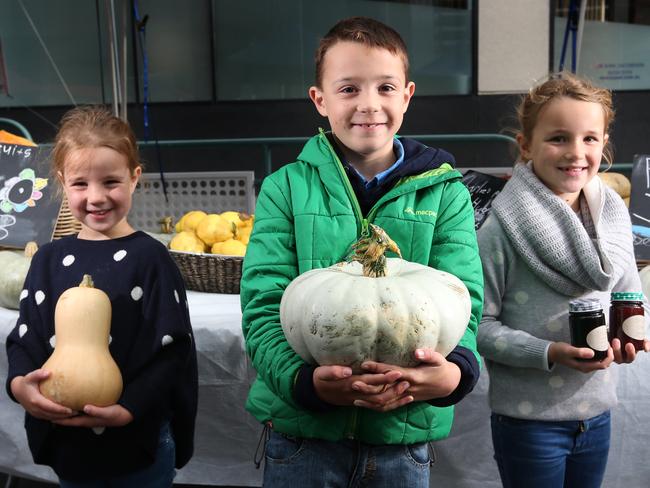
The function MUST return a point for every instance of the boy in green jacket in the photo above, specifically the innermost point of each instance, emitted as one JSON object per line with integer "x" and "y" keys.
{"x": 328, "y": 426}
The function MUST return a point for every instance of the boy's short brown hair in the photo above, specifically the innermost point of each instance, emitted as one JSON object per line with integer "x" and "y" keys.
{"x": 364, "y": 30}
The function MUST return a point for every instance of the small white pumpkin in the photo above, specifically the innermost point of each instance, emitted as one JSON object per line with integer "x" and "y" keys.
{"x": 349, "y": 313}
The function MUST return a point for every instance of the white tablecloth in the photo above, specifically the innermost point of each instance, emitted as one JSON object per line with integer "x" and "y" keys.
{"x": 227, "y": 435}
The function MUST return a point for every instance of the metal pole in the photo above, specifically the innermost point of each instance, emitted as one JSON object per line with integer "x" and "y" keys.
{"x": 268, "y": 161}
{"x": 123, "y": 67}
{"x": 581, "y": 28}
{"x": 110, "y": 14}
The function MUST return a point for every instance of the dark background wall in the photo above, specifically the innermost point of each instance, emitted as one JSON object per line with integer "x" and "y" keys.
{"x": 426, "y": 115}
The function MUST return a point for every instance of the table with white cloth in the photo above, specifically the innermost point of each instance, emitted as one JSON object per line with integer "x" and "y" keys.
{"x": 227, "y": 436}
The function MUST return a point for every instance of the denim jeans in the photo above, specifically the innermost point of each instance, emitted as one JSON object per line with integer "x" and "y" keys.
{"x": 305, "y": 463}
{"x": 536, "y": 454}
{"x": 158, "y": 475}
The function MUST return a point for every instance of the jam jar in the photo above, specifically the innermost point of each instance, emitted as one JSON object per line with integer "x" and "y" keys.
{"x": 588, "y": 327}
{"x": 626, "y": 318}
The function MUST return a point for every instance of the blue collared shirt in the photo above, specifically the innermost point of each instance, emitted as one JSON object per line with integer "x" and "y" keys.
{"x": 398, "y": 148}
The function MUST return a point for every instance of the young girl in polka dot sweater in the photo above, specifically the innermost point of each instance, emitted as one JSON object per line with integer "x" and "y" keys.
{"x": 142, "y": 438}
{"x": 555, "y": 233}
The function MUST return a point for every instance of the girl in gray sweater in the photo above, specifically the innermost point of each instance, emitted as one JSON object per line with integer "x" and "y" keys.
{"x": 556, "y": 233}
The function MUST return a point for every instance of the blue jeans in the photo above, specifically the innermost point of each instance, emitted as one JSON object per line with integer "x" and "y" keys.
{"x": 536, "y": 454}
{"x": 297, "y": 462}
{"x": 158, "y": 475}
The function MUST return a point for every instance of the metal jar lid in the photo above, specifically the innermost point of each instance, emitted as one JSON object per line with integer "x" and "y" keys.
{"x": 627, "y": 296}
{"x": 585, "y": 305}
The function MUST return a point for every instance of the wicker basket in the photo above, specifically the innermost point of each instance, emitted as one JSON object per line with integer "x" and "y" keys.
{"x": 211, "y": 273}
{"x": 66, "y": 224}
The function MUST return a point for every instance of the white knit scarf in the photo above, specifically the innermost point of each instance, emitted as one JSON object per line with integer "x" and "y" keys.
{"x": 550, "y": 238}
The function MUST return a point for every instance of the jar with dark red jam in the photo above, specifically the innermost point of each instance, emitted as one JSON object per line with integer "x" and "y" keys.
{"x": 626, "y": 319}
{"x": 588, "y": 327}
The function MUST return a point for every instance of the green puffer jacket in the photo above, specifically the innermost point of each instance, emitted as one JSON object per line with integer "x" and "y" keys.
{"x": 306, "y": 217}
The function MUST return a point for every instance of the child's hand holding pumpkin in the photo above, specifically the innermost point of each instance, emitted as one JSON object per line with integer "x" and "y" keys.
{"x": 338, "y": 386}
{"x": 434, "y": 377}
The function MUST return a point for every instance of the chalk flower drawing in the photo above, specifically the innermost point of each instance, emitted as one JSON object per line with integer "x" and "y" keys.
{"x": 21, "y": 191}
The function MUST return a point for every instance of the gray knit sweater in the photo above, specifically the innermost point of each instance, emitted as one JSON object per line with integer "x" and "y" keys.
{"x": 538, "y": 254}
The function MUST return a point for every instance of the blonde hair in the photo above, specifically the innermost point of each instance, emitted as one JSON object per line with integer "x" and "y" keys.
{"x": 564, "y": 85}
{"x": 92, "y": 127}
{"x": 366, "y": 31}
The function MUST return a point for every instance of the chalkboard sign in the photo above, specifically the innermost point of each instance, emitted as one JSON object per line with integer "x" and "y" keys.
{"x": 640, "y": 206}
{"x": 29, "y": 205}
{"x": 483, "y": 188}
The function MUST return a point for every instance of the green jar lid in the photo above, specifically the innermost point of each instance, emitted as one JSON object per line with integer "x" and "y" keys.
{"x": 627, "y": 296}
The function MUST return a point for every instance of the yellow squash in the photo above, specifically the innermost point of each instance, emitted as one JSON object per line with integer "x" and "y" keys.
{"x": 231, "y": 247}
{"x": 214, "y": 228}
{"x": 187, "y": 241}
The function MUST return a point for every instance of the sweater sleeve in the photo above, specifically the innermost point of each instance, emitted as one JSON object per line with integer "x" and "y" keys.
{"x": 165, "y": 347}
{"x": 27, "y": 343}
{"x": 270, "y": 265}
{"x": 524, "y": 350}
{"x": 470, "y": 371}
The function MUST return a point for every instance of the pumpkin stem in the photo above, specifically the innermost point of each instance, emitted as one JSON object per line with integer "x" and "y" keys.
{"x": 87, "y": 282}
{"x": 166, "y": 226}
{"x": 30, "y": 249}
{"x": 369, "y": 251}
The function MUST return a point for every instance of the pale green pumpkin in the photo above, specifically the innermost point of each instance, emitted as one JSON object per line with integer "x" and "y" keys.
{"x": 373, "y": 308}
{"x": 14, "y": 266}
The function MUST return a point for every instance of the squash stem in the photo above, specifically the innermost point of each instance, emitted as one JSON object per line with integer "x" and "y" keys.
{"x": 370, "y": 250}
{"x": 87, "y": 282}
{"x": 30, "y": 249}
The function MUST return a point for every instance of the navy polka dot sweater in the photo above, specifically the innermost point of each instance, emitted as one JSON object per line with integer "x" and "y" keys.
{"x": 150, "y": 340}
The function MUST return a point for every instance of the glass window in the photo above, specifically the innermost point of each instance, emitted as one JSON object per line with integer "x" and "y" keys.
{"x": 60, "y": 56}
{"x": 614, "y": 46}
{"x": 178, "y": 47}
{"x": 265, "y": 48}
{"x": 51, "y": 55}
{"x": 236, "y": 49}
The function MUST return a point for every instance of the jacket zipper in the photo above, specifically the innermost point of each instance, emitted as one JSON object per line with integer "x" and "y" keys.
{"x": 351, "y": 427}
{"x": 363, "y": 230}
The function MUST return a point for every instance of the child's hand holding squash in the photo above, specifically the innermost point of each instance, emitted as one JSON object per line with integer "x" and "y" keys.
{"x": 26, "y": 390}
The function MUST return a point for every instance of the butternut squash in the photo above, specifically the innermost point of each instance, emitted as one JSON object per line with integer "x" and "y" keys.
{"x": 82, "y": 369}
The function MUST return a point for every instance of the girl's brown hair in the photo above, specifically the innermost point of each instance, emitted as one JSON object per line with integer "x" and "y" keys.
{"x": 364, "y": 30}
{"x": 91, "y": 127}
{"x": 564, "y": 85}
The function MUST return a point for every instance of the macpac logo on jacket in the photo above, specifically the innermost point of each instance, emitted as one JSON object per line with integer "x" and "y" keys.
{"x": 429, "y": 213}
